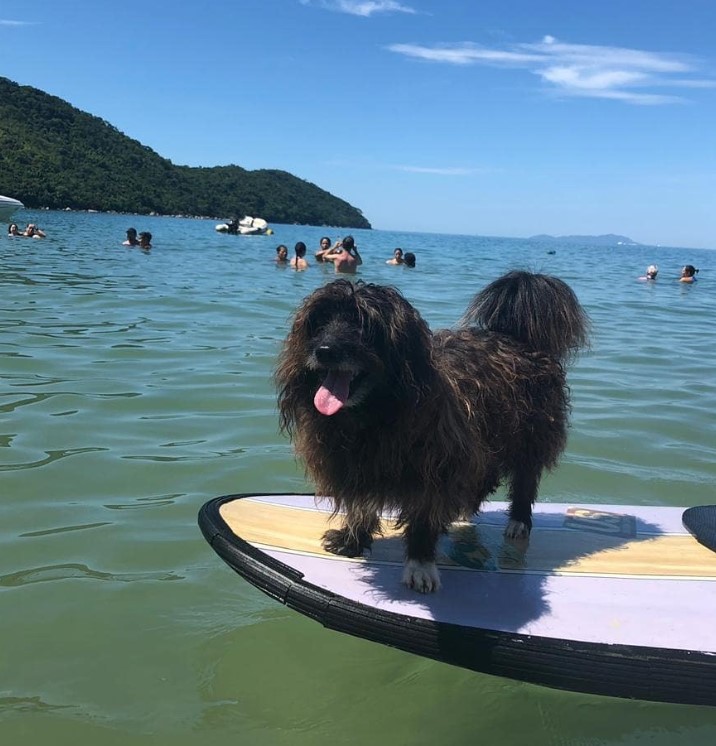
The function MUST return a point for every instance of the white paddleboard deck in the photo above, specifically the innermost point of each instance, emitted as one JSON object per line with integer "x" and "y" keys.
{"x": 616, "y": 600}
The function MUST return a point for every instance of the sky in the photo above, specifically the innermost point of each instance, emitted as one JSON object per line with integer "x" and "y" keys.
{"x": 482, "y": 117}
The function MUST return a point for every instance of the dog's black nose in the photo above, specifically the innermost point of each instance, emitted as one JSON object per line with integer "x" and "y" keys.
{"x": 325, "y": 354}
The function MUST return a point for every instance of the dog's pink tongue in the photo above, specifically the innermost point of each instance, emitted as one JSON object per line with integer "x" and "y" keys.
{"x": 333, "y": 392}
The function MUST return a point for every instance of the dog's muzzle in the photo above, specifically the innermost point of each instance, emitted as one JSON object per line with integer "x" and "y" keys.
{"x": 327, "y": 355}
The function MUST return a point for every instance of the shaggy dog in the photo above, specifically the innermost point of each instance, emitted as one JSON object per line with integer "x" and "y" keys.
{"x": 389, "y": 416}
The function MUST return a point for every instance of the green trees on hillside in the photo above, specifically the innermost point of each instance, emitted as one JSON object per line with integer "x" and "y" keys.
{"x": 53, "y": 155}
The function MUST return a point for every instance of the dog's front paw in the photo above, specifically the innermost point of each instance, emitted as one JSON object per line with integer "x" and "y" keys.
{"x": 345, "y": 543}
{"x": 517, "y": 530}
{"x": 421, "y": 576}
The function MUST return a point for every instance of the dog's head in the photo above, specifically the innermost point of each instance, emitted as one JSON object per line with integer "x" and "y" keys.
{"x": 353, "y": 344}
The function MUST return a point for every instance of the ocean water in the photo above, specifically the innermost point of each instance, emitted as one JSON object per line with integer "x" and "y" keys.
{"x": 135, "y": 386}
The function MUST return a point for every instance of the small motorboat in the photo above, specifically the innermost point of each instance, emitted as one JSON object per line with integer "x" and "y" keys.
{"x": 247, "y": 226}
{"x": 8, "y": 207}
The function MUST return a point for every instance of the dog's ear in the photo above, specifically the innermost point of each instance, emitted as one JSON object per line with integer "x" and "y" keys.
{"x": 399, "y": 334}
{"x": 320, "y": 307}
{"x": 313, "y": 313}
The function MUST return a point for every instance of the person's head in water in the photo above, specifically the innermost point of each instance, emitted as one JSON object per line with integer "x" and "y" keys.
{"x": 145, "y": 240}
{"x": 348, "y": 243}
{"x": 409, "y": 259}
{"x": 300, "y": 249}
{"x": 281, "y": 253}
{"x": 689, "y": 271}
{"x": 651, "y": 272}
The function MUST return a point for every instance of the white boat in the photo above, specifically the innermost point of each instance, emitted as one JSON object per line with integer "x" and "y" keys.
{"x": 247, "y": 226}
{"x": 8, "y": 206}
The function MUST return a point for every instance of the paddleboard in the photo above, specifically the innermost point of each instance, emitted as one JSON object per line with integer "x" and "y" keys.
{"x": 611, "y": 600}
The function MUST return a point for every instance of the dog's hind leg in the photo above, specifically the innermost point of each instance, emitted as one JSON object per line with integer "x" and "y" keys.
{"x": 523, "y": 493}
{"x": 420, "y": 572}
{"x": 353, "y": 538}
{"x": 489, "y": 483}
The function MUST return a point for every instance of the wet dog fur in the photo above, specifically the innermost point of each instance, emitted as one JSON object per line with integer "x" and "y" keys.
{"x": 389, "y": 416}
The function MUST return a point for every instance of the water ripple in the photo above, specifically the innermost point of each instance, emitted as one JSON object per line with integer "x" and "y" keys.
{"x": 64, "y": 529}
{"x": 52, "y": 456}
{"x": 29, "y": 704}
{"x": 146, "y": 502}
{"x": 75, "y": 571}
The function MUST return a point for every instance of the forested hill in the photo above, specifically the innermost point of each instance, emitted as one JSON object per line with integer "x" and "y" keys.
{"x": 54, "y": 155}
{"x": 607, "y": 239}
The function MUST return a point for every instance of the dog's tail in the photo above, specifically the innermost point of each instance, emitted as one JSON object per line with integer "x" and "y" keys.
{"x": 540, "y": 311}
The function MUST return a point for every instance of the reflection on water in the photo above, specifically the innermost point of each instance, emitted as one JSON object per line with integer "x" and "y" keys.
{"x": 133, "y": 387}
{"x": 64, "y": 572}
{"x": 62, "y": 529}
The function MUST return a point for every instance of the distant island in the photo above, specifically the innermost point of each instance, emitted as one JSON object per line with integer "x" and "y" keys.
{"x": 54, "y": 155}
{"x": 608, "y": 239}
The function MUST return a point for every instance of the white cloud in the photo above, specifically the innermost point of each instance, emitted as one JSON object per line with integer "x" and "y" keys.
{"x": 440, "y": 171}
{"x": 465, "y": 54}
{"x": 591, "y": 79}
{"x": 365, "y": 8}
{"x": 4, "y": 22}
{"x": 578, "y": 69}
{"x": 586, "y": 54}
{"x": 435, "y": 170}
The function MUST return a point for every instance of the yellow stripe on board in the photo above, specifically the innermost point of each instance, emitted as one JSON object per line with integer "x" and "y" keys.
{"x": 482, "y": 547}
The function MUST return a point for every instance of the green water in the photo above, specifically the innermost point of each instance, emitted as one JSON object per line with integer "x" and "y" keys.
{"x": 134, "y": 387}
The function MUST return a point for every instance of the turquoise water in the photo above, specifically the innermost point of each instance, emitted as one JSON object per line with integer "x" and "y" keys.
{"x": 134, "y": 387}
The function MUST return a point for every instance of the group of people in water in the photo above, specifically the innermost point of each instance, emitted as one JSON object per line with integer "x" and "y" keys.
{"x": 144, "y": 241}
{"x": 32, "y": 231}
{"x": 688, "y": 273}
{"x": 407, "y": 259}
{"x": 343, "y": 254}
